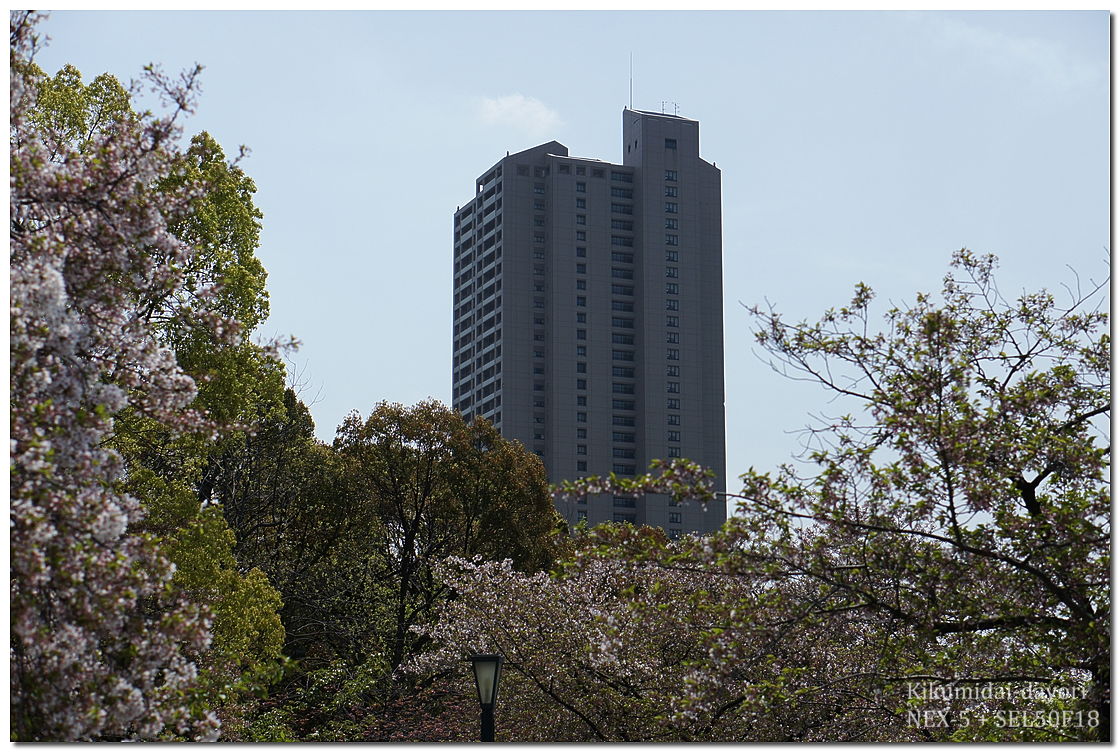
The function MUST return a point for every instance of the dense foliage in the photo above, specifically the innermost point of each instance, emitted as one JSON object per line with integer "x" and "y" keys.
{"x": 100, "y": 644}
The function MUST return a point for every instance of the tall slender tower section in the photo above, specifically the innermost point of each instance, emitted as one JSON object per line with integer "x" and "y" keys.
{"x": 588, "y": 319}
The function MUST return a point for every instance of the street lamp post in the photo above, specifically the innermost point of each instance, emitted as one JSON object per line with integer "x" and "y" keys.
{"x": 487, "y": 674}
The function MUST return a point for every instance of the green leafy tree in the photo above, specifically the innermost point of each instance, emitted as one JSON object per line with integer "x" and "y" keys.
{"x": 439, "y": 487}
{"x": 350, "y": 534}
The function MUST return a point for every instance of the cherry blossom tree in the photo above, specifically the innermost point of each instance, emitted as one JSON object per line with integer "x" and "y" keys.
{"x": 952, "y": 531}
{"x": 101, "y": 647}
{"x": 639, "y": 638}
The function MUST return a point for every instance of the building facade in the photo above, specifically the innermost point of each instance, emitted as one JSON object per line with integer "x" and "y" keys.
{"x": 588, "y": 313}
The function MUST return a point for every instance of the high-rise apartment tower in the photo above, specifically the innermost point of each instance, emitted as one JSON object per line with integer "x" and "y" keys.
{"x": 588, "y": 319}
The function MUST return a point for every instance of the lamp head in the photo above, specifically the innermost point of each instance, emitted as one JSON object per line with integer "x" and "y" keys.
{"x": 487, "y": 674}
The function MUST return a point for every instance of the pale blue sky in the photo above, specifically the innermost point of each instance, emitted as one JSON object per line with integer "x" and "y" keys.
{"x": 855, "y": 146}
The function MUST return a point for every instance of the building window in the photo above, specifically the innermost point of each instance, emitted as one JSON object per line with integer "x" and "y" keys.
{"x": 581, "y": 400}
{"x": 622, "y": 323}
{"x": 538, "y": 221}
{"x": 538, "y": 304}
{"x": 672, "y": 288}
{"x": 674, "y": 451}
{"x": 674, "y": 371}
{"x": 581, "y": 300}
{"x": 581, "y": 465}
{"x": 581, "y": 284}
{"x": 622, "y": 224}
{"x": 672, "y": 305}
{"x": 673, "y": 403}
{"x": 538, "y": 237}
{"x": 538, "y": 204}
{"x": 670, "y": 174}
{"x": 621, "y": 404}
{"x": 618, "y": 388}
{"x": 581, "y": 170}
{"x": 538, "y": 370}
{"x": 673, "y": 387}
{"x": 581, "y": 351}
{"x": 675, "y": 517}
{"x": 671, "y": 272}
{"x": 581, "y": 367}
{"x": 581, "y": 268}
{"x": 671, "y": 239}
{"x": 671, "y": 191}
{"x": 596, "y": 172}
{"x": 581, "y": 203}
{"x": 581, "y": 219}
{"x": 581, "y": 334}
{"x": 671, "y": 223}
{"x": 619, "y": 469}
{"x": 624, "y": 258}
{"x": 671, "y": 353}
{"x": 672, "y": 321}
{"x": 622, "y": 436}
{"x": 622, "y": 339}
{"x": 622, "y": 208}
{"x": 581, "y": 318}
{"x": 624, "y": 177}
{"x": 581, "y": 433}
{"x": 622, "y": 193}
{"x": 674, "y": 419}
{"x": 581, "y": 252}
{"x": 581, "y": 187}
{"x": 581, "y": 383}
{"x": 670, "y": 143}
{"x": 627, "y": 355}
{"x": 672, "y": 256}
{"x": 672, "y": 338}
{"x": 620, "y": 273}
{"x": 619, "y": 240}
{"x": 581, "y": 235}
{"x": 581, "y": 417}
{"x": 626, "y": 502}
{"x": 671, "y": 207}
{"x": 581, "y": 449}
{"x": 674, "y": 435}
{"x": 622, "y": 305}
{"x": 622, "y": 290}
{"x": 564, "y": 169}
{"x": 623, "y": 371}
{"x": 623, "y": 420}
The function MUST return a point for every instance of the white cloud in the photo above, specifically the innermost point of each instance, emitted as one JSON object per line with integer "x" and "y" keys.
{"x": 1041, "y": 60}
{"x": 519, "y": 111}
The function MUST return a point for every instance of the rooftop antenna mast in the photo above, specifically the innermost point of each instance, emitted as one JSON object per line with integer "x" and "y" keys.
{"x": 676, "y": 108}
{"x": 631, "y": 80}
